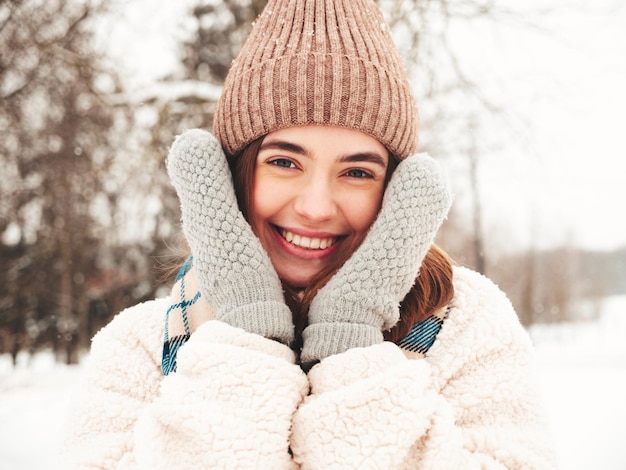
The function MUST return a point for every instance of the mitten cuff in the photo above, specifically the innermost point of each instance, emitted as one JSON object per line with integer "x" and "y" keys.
{"x": 269, "y": 319}
{"x": 325, "y": 339}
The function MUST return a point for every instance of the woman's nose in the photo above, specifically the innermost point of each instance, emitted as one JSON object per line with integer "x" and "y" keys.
{"x": 315, "y": 201}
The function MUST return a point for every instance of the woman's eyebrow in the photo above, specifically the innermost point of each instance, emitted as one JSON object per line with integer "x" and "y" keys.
{"x": 283, "y": 145}
{"x": 364, "y": 157}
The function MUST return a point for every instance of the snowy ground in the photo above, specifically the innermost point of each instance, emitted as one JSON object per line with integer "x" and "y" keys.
{"x": 582, "y": 369}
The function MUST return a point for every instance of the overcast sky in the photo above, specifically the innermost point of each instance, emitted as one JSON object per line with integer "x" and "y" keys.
{"x": 565, "y": 179}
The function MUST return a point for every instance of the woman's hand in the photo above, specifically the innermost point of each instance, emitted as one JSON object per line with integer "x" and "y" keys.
{"x": 235, "y": 274}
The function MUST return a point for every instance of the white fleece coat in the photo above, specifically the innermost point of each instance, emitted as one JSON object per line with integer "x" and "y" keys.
{"x": 238, "y": 400}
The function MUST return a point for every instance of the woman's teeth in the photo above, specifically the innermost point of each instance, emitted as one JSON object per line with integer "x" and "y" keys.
{"x": 307, "y": 242}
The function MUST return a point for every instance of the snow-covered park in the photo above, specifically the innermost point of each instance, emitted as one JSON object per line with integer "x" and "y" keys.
{"x": 581, "y": 367}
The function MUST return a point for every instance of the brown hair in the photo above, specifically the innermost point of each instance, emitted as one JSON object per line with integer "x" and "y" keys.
{"x": 433, "y": 288}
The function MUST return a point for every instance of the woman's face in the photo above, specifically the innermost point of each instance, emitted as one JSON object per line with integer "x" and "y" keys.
{"x": 316, "y": 189}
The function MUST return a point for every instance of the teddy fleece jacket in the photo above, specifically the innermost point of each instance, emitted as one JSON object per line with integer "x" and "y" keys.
{"x": 238, "y": 400}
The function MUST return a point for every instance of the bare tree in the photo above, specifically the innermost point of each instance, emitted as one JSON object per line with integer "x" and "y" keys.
{"x": 56, "y": 152}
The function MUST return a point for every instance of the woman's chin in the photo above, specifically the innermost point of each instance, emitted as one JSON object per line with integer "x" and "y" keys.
{"x": 297, "y": 280}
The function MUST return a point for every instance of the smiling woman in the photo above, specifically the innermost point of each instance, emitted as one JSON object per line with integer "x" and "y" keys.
{"x": 316, "y": 324}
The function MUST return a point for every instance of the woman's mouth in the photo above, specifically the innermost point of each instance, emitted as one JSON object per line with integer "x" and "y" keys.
{"x": 311, "y": 243}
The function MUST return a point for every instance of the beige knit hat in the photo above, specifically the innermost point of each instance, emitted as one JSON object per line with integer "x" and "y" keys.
{"x": 327, "y": 62}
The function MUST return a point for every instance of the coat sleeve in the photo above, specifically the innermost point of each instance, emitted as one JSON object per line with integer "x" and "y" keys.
{"x": 229, "y": 405}
{"x": 471, "y": 403}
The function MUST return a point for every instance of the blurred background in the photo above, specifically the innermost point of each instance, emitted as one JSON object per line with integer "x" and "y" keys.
{"x": 522, "y": 103}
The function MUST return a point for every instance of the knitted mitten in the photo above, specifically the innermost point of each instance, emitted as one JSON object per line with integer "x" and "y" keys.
{"x": 362, "y": 299}
{"x": 235, "y": 274}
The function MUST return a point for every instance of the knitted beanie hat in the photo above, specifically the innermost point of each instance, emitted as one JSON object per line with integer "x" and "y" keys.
{"x": 327, "y": 62}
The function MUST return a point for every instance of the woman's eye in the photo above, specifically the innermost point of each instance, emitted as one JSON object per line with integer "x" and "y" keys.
{"x": 358, "y": 174}
{"x": 282, "y": 162}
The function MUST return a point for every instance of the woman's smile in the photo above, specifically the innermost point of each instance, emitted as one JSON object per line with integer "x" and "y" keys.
{"x": 316, "y": 189}
{"x": 303, "y": 241}
{"x": 305, "y": 244}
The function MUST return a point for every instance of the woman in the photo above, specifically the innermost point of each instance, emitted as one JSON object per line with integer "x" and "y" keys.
{"x": 316, "y": 326}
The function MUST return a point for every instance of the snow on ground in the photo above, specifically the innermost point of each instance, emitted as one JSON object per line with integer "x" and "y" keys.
{"x": 33, "y": 402}
{"x": 581, "y": 368}
{"x": 582, "y": 371}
